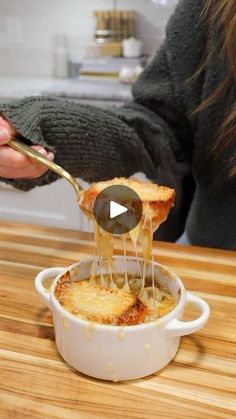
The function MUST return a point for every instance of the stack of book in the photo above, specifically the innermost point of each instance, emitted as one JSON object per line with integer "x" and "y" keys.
{"x": 109, "y": 66}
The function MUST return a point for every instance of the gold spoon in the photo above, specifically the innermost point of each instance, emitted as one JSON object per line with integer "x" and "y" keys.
{"x": 35, "y": 155}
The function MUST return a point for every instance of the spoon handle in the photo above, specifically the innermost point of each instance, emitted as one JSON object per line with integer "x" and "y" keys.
{"x": 35, "y": 155}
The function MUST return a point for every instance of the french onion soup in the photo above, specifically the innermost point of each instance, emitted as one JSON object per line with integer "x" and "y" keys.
{"x": 113, "y": 298}
{"x": 98, "y": 300}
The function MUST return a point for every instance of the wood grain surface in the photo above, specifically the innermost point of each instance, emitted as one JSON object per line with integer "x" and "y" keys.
{"x": 36, "y": 383}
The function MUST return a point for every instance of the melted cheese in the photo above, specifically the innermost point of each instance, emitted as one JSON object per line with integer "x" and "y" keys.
{"x": 141, "y": 236}
{"x": 97, "y": 302}
{"x": 94, "y": 300}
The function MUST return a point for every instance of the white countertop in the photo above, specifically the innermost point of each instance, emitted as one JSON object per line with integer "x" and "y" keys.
{"x": 81, "y": 88}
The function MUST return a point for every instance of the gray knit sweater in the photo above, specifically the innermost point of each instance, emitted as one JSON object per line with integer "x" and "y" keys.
{"x": 155, "y": 130}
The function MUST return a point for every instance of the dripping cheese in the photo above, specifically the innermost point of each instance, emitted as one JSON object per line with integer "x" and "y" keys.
{"x": 156, "y": 200}
{"x": 112, "y": 298}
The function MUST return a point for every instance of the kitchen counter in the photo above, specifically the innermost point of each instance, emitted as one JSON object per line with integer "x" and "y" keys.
{"x": 36, "y": 382}
{"x": 81, "y": 88}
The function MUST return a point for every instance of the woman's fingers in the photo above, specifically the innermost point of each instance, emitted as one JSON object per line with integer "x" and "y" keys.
{"x": 31, "y": 172}
{"x": 6, "y": 131}
{"x": 4, "y": 135}
{"x": 14, "y": 165}
{"x": 13, "y": 159}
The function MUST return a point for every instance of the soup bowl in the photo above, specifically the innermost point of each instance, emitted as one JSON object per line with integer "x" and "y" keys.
{"x": 120, "y": 353}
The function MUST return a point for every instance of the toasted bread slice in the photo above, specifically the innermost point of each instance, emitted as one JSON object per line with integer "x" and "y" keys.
{"x": 157, "y": 200}
{"x": 98, "y": 304}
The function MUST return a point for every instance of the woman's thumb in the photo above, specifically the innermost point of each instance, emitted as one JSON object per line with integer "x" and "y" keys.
{"x": 4, "y": 135}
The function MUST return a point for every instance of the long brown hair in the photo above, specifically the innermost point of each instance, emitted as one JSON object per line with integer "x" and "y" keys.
{"x": 221, "y": 14}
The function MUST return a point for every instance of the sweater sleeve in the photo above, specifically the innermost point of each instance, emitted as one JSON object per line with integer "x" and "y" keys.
{"x": 91, "y": 143}
{"x": 96, "y": 144}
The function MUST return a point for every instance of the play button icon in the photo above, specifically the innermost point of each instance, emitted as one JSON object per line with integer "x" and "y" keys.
{"x": 117, "y": 209}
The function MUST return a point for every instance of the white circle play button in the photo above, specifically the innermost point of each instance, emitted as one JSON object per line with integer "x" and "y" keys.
{"x": 116, "y": 209}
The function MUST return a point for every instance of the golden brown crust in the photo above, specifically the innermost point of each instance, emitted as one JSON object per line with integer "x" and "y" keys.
{"x": 134, "y": 315}
{"x": 157, "y": 200}
{"x": 99, "y": 304}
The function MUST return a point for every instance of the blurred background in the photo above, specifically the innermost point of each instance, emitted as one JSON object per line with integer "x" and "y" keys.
{"x": 28, "y": 29}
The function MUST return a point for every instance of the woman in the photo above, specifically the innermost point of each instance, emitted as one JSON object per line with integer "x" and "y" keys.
{"x": 182, "y": 119}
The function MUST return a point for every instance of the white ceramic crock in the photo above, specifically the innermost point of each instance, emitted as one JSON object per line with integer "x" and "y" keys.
{"x": 114, "y": 352}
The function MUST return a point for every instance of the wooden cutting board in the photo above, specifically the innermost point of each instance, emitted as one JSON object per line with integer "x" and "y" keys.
{"x": 36, "y": 383}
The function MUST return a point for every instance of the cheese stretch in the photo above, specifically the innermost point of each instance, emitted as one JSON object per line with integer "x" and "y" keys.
{"x": 156, "y": 202}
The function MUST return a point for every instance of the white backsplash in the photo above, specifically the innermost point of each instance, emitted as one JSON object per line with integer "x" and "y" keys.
{"x": 28, "y": 29}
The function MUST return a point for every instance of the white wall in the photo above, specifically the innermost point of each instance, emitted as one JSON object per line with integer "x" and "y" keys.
{"x": 28, "y": 29}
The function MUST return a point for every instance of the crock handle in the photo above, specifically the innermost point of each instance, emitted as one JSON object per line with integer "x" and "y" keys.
{"x": 43, "y": 276}
{"x": 181, "y": 328}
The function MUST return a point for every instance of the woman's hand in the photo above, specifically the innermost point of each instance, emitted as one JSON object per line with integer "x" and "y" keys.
{"x": 14, "y": 165}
